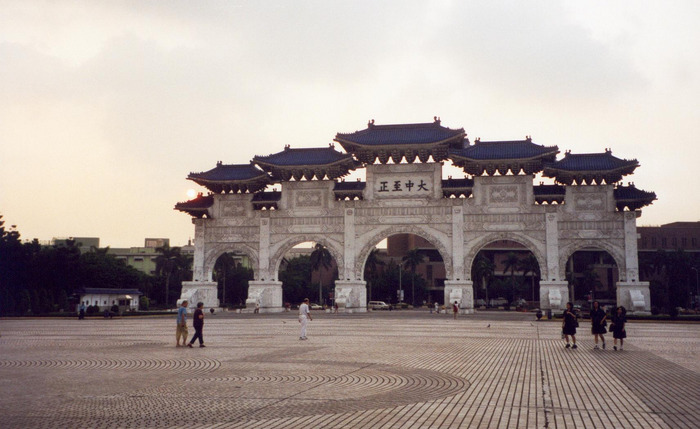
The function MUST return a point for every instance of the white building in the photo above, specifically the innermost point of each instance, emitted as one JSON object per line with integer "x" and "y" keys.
{"x": 105, "y": 298}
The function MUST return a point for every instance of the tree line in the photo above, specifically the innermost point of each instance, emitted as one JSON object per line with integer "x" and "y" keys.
{"x": 36, "y": 279}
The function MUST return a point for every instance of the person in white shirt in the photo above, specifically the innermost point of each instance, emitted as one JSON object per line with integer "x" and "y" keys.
{"x": 304, "y": 317}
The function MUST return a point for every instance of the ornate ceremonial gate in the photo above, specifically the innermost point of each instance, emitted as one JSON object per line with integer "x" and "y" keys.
{"x": 586, "y": 209}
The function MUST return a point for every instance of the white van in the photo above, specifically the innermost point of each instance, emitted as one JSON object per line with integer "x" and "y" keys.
{"x": 378, "y": 305}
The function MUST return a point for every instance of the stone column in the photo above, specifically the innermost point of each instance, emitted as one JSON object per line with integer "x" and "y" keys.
{"x": 631, "y": 255}
{"x": 264, "y": 256}
{"x": 349, "y": 245}
{"x": 266, "y": 294}
{"x": 552, "y": 242}
{"x": 198, "y": 262}
{"x": 458, "y": 243}
{"x": 461, "y": 291}
{"x": 554, "y": 295}
{"x": 351, "y": 296}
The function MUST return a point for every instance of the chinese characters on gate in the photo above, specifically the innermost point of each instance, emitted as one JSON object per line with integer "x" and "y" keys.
{"x": 402, "y": 186}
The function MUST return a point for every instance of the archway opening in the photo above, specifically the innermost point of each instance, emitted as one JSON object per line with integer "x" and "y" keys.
{"x": 232, "y": 272}
{"x": 506, "y": 273}
{"x": 308, "y": 270}
{"x": 405, "y": 270}
{"x": 592, "y": 274}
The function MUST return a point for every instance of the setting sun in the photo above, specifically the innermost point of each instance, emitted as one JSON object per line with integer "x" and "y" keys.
{"x": 191, "y": 193}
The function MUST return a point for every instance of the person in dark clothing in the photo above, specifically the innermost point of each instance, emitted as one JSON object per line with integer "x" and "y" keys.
{"x": 198, "y": 324}
{"x": 568, "y": 325}
{"x": 598, "y": 323}
{"x": 617, "y": 326}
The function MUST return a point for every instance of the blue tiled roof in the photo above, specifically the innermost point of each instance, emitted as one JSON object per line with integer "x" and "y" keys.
{"x": 349, "y": 186}
{"x": 199, "y": 202}
{"x": 400, "y": 134}
{"x": 516, "y": 149}
{"x": 267, "y": 196}
{"x": 539, "y": 190}
{"x": 457, "y": 183}
{"x": 592, "y": 162}
{"x": 303, "y": 156}
{"x": 228, "y": 172}
{"x": 632, "y": 193}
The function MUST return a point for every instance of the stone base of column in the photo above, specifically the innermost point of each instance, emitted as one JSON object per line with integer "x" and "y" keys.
{"x": 554, "y": 295}
{"x": 265, "y": 295}
{"x": 461, "y": 291}
{"x": 351, "y": 296}
{"x": 194, "y": 292}
{"x": 635, "y": 297}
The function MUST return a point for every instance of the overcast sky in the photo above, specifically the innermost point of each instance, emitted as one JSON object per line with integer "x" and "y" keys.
{"x": 107, "y": 106}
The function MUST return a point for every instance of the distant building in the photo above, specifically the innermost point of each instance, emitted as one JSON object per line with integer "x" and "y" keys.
{"x": 83, "y": 243}
{"x": 105, "y": 298}
{"x": 144, "y": 258}
{"x": 671, "y": 236}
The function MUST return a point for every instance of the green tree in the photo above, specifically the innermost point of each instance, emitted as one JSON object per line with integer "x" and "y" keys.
{"x": 411, "y": 260}
{"x": 222, "y": 269}
{"x": 320, "y": 258}
{"x": 371, "y": 269}
{"x": 295, "y": 279}
{"x": 530, "y": 265}
{"x": 511, "y": 264}
{"x": 483, "y": 272}
{"x": 590, "y": 280}
{"x": 172, "y": 264}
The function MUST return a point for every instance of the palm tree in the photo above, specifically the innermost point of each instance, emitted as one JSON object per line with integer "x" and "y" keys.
{"x": 170, "y": 262}
{"x": 411, "y": 260}
{"x": 371, "y": 267}
{"x": 530, "y": 265}
{"x": 224, "y": 264}
{"x": 484, "y": 270}
{"x": 511, "y": 264}
{"x": 590, "y": 280}
{"x": 320, "y": 257}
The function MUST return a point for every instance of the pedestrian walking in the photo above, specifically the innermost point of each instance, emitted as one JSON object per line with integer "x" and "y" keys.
{"x": 437, "y": 308}
{"x": 617, "y": 326}
{"x": 81, "y": 314}
{"x": 198, "y": 323}
{"x": 455, "y": 310}
{"x": 181, "y": 330}
{"x": 304, "y": 317}
{"x": 599, "y": 320}
{"x": 569, "y": 324}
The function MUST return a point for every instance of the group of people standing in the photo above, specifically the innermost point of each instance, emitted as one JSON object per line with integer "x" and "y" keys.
{"x": 599, "y": 322}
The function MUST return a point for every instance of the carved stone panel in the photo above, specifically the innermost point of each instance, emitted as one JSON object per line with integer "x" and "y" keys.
{"x": 503, "y": 194}
{"x": 308, "y": 199}
{"x": 232, "y": 209}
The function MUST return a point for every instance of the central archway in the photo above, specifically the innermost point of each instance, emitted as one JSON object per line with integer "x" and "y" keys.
{"x": 434, "y": 237}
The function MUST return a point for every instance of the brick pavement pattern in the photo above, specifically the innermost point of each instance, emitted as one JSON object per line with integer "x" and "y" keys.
{"x": 404, "y": 369}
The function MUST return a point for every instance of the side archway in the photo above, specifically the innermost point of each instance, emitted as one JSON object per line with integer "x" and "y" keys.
{"x": 436, "y": 238}
{"x": 212, "y": 253}
{"x": 284, "y": 246}
{"x": 533, "y": 246}
{"x": 617, "y": 253}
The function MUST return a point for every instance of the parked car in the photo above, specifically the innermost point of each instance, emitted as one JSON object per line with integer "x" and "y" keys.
{"x": 480, "y": 302}
{"x": 498, "y": 302}
{"x": 316, "y": 307}
{"x": 519, "y": 303}
{"x": 378, "y": 305}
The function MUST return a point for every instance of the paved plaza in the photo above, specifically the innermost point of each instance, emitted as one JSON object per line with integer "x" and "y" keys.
{"x": 405, "y": 369}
